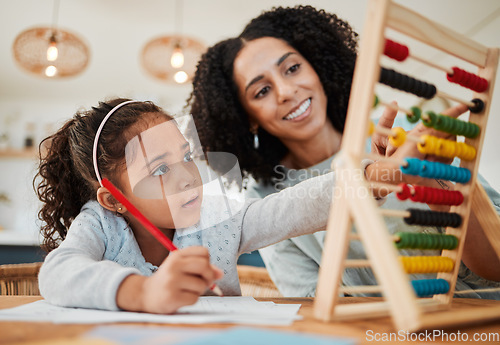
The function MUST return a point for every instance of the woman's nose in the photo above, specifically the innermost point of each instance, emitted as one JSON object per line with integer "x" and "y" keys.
{"x": 285, "y": 90}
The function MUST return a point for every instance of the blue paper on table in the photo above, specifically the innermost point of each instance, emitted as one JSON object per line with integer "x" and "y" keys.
{"x": 252, "y": 336}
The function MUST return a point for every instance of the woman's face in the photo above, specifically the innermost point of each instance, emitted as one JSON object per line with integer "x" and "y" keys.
{"x": 279, "y": 89}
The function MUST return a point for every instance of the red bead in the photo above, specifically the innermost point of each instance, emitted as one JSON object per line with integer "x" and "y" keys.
{"x": 395, "y": 50}
{"x": 418, "y": 194}
{"x": 468, "y": 80}
{"x": 404, "y": 193}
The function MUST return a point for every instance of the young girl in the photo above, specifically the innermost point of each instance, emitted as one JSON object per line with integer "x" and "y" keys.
{"x": 102, "y": 257}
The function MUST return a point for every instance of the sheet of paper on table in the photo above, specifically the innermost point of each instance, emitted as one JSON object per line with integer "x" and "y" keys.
{"x": 237, "y": 310}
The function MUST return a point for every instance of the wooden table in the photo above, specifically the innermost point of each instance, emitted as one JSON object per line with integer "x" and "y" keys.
{"x": 364, "y": 331}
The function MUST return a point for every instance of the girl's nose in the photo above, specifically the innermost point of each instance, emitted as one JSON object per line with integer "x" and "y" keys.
{"x": 187, "y": 177}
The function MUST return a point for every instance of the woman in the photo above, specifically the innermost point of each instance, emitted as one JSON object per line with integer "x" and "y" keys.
{"x": 282, "y": 89}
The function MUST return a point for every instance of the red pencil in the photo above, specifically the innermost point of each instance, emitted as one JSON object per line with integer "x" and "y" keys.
{"x": 160, "y": 236}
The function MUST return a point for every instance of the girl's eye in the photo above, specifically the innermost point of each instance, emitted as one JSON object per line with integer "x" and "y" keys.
{"x": 262, "y": 92}
{"x": 161, "y": 170}
{"x": 188, "y": 157}
{"x": 293, "y": 68}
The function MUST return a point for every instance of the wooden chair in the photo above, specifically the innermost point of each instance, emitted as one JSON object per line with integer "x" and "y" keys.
{"x": 19, "y": 279}
{"x": 256, "y": 282}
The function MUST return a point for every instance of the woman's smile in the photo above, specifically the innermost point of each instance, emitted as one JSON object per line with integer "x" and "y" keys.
{"x": 301, "y": 112}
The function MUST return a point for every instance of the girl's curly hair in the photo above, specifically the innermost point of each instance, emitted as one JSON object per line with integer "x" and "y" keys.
{"x": 65, "y": 179}
{"x": 327, "y": 42}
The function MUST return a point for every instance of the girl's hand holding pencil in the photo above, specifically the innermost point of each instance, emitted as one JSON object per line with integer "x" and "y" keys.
{"x": 180, "y": 280}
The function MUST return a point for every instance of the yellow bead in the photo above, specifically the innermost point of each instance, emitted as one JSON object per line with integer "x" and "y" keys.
{"x": 429, "y": 144}
{"x": 398, "y": 137}
{"x": 445, "y": 148}
{"x": 371, "y": 129}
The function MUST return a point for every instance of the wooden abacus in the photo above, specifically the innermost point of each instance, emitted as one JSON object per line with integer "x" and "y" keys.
{"x": 401, "y": 298}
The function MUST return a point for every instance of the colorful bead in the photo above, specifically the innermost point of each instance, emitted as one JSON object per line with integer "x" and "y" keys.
{"x": 426, "y": 264}
{"x": 417, "y": 167}
{"x": 433, "y": 218}
{"x": 395, "y": 50}
{"x": 371, "y": 128}
{"x": 404, "y": 192}
{"x": 398, "y": 137}
{"x": 429, "y": 287}
{"x": 415, "y": 115}
{"x": 413, "y": 240}
{"x": 406, "y": 83}
{"x": 468, "y": 80}
{"x": 429, "y": 119}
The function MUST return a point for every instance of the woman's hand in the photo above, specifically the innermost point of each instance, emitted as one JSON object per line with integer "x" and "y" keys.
{"x": 388, "y": 172}
{"x": 180, "y": 280}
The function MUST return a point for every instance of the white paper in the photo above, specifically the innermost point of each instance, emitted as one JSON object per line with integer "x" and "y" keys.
{"x": 237, "y": 310}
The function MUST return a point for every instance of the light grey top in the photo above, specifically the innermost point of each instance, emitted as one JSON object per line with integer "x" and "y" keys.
{"x": 293, "y": 264}
{"x": 100, "y": 249}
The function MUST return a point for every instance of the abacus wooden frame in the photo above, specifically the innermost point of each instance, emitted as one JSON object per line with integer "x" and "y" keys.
{"x": 408, "y": 311}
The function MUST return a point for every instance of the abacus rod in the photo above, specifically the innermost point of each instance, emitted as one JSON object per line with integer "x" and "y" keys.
{"x": 378, "y": 157}
{"x": 357, "y": 263}
{"x": 387, "y": 186}
{"x": 391, "y": 133}
{"x": 432, "y": 64}
{"x": 355, "y": 237}
{"x": 395, "y": 213}
{"x": 462, "y": 292}
{"x": 361, "y": 289}
{"x": 456, "y": 99}
{"x": 396, "y": 107}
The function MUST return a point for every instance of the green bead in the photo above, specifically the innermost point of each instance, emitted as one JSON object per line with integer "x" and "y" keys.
{"x": 415, "y": 116}
{"x": 474, "y": 130}
{"x": 430, "y": 119}
{"x": 425, "y": 241}
{"x": 442, "y": 123}
{"x": 375, "y": 101}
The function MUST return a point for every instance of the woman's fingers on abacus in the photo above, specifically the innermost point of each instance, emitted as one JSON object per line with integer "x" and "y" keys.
{"x": 380, "y": 141}
{"x": 455, "y": 111}
{"x": 388, "y": 116}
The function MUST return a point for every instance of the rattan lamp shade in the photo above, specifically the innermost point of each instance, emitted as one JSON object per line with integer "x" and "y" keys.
{"x": 157, "y": 53}
{"x": 30, "y": 52}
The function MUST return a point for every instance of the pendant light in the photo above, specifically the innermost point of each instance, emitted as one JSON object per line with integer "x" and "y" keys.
{"x": 173, "y": 58}
{"x": 51, "y": 52}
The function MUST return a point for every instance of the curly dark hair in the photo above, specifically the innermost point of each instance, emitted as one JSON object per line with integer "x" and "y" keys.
{"x": 65, "y": 179}
{"x": 327, "y": 42}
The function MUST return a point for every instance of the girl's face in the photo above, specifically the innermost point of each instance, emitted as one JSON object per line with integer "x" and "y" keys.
{"x": 279, "y": 89}
{"x": 162, "y": 180}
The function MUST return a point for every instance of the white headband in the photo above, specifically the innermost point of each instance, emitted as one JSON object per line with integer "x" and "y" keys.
{"x": 98, "y": 133}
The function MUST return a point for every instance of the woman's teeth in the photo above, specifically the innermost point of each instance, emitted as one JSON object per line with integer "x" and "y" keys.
{"x": 299, "y": 111}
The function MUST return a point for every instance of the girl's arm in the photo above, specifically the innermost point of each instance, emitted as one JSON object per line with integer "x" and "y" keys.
{"x": 298, "y": 210}
{"x": 76, "y": 274}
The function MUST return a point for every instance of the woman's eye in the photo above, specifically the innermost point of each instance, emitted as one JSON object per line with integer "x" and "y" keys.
{"x": 262, "y": 92}
{"x": 294, "y": 68}
{"x": 161, "y": 170}
{"x": 188, "y": 157}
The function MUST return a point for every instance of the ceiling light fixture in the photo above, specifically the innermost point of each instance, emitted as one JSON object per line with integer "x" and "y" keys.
{"x": 172, "y": 58}
{"x": 51, "y": 52}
